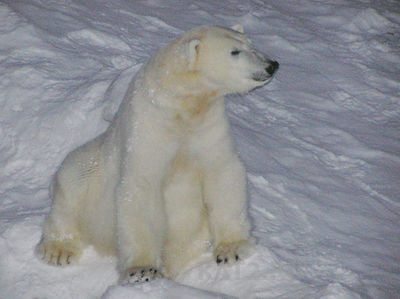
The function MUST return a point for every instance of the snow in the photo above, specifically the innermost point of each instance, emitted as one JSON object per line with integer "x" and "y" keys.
{"x": 321, "y": 142}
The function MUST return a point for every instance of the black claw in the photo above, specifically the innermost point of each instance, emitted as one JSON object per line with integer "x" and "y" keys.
{"x": 147, "y": 279}
{"x": 155, "y": 271}
{"x": 237, "y": 257}
{"x": 132, "y": 274}
{"x": 226, "y": 260}
{"x": 219, "y": 260}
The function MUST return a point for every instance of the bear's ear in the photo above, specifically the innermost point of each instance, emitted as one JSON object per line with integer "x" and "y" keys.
{"x": 238, "y": 27}
{"x": 192, "y": 50}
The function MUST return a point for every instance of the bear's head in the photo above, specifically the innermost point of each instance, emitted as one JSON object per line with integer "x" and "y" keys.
{"x": 226, "y": 59}
{"x": 208, "y": 61}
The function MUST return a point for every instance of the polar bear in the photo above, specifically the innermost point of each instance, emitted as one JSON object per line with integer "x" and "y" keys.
{"x": 163, "y": 184}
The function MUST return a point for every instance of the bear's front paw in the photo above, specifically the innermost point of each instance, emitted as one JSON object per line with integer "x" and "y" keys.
{"x": 228, "y": 253}
{"x": 140, "y": 274}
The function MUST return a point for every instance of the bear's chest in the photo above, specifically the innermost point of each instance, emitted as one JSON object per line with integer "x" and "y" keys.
{"x": 195, "y": 109}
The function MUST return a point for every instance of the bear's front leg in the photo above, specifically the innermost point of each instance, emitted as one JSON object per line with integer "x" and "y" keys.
{"x": 141, "y": 227}
{"x": 140, "y": 211}
{"x": 225, "y": 197}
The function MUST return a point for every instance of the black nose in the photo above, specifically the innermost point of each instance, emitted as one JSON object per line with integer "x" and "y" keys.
{"x": 272, "y": 68}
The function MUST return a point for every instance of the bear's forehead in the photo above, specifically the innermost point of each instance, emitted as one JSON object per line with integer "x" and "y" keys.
{"x": 230, "y": 34}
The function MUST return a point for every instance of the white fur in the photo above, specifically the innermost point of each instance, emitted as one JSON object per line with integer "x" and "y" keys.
{"x": 164, "y": 180}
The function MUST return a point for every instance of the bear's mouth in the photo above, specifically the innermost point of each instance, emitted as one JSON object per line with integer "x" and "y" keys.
{"x": 261, "y": 76}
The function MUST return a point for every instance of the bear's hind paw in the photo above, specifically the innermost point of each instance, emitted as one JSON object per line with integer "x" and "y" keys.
{"x": 140, "y": 274}
{"x": 58, "y": 253}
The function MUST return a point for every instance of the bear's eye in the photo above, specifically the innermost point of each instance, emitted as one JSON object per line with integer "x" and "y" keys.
{"x": 235, "y": 52}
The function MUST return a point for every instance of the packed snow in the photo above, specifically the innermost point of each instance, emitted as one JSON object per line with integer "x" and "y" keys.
{"x": 321, "y": 142}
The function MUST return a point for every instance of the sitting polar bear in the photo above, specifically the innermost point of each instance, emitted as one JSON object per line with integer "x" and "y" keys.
{"x": 164, "y": 181}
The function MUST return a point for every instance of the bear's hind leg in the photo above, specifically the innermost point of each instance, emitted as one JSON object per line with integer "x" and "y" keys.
{"x": 61, "y": 240}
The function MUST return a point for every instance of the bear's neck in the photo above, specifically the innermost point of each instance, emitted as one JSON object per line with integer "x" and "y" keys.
{"x": 187, "y": 106}
{"x": 182, "y": 91}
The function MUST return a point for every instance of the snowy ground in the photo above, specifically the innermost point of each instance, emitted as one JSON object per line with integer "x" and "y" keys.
{"x": 321, "y": 142}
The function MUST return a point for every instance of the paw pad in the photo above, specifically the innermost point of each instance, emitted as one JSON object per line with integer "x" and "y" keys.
{"x": 141, "y": 274}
